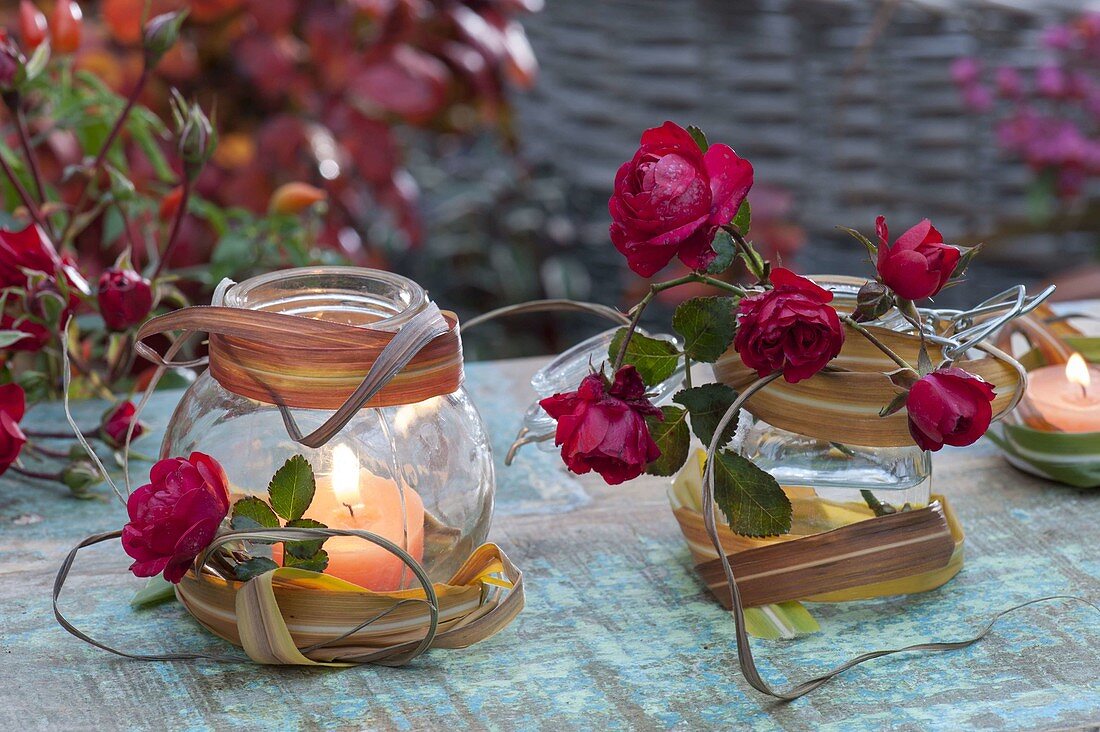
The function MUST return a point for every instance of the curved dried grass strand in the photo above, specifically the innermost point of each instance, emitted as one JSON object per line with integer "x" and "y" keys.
{"x": 745, "y": 658}
{"x": 66, "y": 381}
{"x": 546, "y": 306}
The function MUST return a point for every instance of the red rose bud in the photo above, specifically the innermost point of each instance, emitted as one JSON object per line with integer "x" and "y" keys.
{"x": 32, "y": 24}
{"x": 949, "y": 407}
{"x": 175, "y": 516}
{"x": 919, "y": 264}
{"x": 790, "y": 328}
{"x": 13, "y": 403}
{"x": 872, "y": 302}
{"x": 124, "y": 297}
{"x": 66, "y": 26}
{"x": 604, "y": 429}
{"x": 116, "y": 423}
{"x": 671, "y": 198}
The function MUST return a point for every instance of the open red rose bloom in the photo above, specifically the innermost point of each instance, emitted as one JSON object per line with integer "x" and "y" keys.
{"x": 790, "y": 328}
{"x": 671, "y": 198}
{"x": 603, "y": 428}
{"x": 175, "y": 516}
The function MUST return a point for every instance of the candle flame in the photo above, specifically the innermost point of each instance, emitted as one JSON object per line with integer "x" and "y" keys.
{"x": 1077, "y": 371}
{"x": 345, "y": 475}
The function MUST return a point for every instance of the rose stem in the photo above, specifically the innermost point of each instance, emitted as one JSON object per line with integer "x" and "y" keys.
{"x": 36, "y": 474}
{"x": 47, "y": 451}
{"x": 173, "y": 235}
{"x": 56, "y": 435}
{"x": 32, "y": 207}
{"x": 637, "y": 310}
{"x": 858, "y": 327}
{"x": 114, "y": 133}
{"x": 25, "y": 141}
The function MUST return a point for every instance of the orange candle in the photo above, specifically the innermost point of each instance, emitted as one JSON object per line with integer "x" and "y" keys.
{"x": 352, "y": 498}
{"x": 1068, "y": 397}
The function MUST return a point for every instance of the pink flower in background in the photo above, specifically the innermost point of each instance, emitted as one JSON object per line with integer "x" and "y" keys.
{"x": 790, "y": 328}
{"x": 13, "y": 404}
{"x": 1009, "y": 83}
{"x": 175, "y": 516}
{"x": 603, "y": 428}
{"x": 1051, "y": 81}
{"x": 949, "y": 407}
{"x": 978, "y": 98}
{"x": 671, "y": 198}
{"x": 919, "y": 264}
{"x": 966, "y": 70}
{"x": 1058, "y": 37}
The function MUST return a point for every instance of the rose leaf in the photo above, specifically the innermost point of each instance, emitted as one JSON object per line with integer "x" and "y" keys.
{"x": 291, "y": 488}
{"x": 673, "y": 439}
{"x": 707, "y": 325}
{"x": 253, "y": 567}
{"x": 253, "y": 513}
{"x": 316, "y": 563}
{"x": 655, "y": 360}
{"x": 707, "y": 404}
{"x": 699, "y": 136}
{"x": 308, "y": 548}
{"x": 722, "y": 245}
{"x": 751, "y": 499}
{"x": 743, "y": 219}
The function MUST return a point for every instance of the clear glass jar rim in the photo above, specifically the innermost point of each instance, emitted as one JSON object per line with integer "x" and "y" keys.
{"x": 237, "y": 295}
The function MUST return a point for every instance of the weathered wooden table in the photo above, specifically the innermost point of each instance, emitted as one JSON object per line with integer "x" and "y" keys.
{"x": 617, "y": 632}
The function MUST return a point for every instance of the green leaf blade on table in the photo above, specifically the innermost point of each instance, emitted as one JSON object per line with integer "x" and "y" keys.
{"x": 291, "y": 488}
{"x": 752, "y": 501}
{"x": 707, "y": 325}
{"x": 254, "y": 567}
{"x": 156, "y": 590}
{"x": 655, "y": 360}
{"x": 707, "y": 404}
{"x": 253, "y": 513}
{"x": 308, "y": 548}
{"x": 673, "y": 439}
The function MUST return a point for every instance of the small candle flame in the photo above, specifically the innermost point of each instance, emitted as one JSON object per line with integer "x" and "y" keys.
{"x": 1077, "y": 372}
{"x": 345, "y": 475}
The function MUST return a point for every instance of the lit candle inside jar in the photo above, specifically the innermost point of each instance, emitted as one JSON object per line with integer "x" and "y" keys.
{"x": 353, "y": 498}
{"x": 1067, "y": 397}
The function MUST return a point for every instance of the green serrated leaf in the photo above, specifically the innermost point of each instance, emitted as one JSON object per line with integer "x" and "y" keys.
{"x": 304, "y": 549}
{"x": 655, "y": 360}
{"x": 707, "y": 325}
{"x": 699, "y": 136}
{"x": 707, "y": 404}
{"x": 752, "y": 501}
{"x": 316, "y": 563}
{"x": 723, "y": 246}
{"x": 743, "y": 219}
{"x": 253, "y": 567}
{"x": 291, "y": 488}
{"x": 253, "y": 513}
{"x": 673, "y": 439}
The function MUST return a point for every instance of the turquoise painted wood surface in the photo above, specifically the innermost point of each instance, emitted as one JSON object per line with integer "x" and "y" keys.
{"x": 617, "y": 634}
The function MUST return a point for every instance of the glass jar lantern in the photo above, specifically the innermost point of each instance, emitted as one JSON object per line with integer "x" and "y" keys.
{"x": 419, "y": 474}
{"x": 832, "y": 484}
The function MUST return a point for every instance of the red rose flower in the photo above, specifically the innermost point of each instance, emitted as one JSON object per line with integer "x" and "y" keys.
{"x": 604, "y": 429}
{"x": 671, "y": 197}
{"x": 124, "y": 296}
{"x": 175, "y": 516}
{"x": 949, "y": 407}
{"x": 116, "y": 423}
{"x": 919, "y": 264}
{"x": 28, "y": 249}
{"x": 13, "y": 403}
{"x": 790, "y": 328}
{"x": 32, "y": 24}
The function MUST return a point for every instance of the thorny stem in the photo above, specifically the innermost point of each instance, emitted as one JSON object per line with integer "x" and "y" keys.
{"x": 173, "y": 234}
{"x": 111, "y": 136}
{"x": 859, "y": 328}
{"x": 637, "y": 310}
{"x": 48, "y": 452}
{"x": 57, "y": 435}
